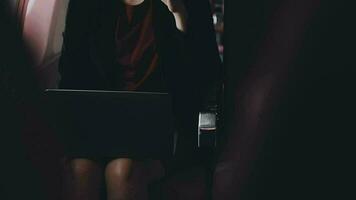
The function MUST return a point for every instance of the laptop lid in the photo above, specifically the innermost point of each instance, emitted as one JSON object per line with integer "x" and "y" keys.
{"x": 137, "y": 123}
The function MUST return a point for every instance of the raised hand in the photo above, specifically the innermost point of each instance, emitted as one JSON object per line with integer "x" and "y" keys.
{"x": 175, "y": 5}
{"x": 179, "y": 12}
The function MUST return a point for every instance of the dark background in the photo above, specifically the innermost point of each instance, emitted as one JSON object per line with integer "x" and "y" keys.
{"x": 307, "y": 148}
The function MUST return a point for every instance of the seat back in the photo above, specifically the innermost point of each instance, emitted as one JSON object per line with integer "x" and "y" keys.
{"x": 43, "y": 25}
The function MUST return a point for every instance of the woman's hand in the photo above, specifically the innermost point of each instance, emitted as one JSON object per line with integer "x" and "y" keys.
{"x": 174, "y": 5}
{"x": 179, "y": 12}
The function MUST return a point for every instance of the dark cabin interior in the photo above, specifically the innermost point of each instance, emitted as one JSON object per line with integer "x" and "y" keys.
{"x": 286, "y": 108}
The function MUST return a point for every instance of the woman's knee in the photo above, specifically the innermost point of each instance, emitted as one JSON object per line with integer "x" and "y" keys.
{"x": 81, "y": 168}
{"x": 120, "y": 170}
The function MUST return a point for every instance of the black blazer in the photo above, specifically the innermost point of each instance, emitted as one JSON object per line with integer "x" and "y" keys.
{"x": 190, "y": 60}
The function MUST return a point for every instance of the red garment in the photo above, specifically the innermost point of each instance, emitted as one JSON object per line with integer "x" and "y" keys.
{"x": 136, "y": 45}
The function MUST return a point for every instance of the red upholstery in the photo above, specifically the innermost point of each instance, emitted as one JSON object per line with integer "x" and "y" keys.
{"x": 44, "y": 151}
{"x": 258, "y": 91}
{"x": 43, "y": 24}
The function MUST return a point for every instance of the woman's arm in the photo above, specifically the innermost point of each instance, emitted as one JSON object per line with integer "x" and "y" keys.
{"x": 179, "y": 12}
{"x": 74, "y": 58}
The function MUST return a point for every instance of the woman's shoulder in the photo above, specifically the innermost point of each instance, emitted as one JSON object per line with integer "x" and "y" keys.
{"x": 81, "y": 14}
{"x": 77, "y": 9}
{"x": 80, "y": 6}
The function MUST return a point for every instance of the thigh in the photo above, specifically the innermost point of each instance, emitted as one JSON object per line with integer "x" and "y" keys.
{"x": 120, "y": 169}
{"x": 83, "y": 179}
{"x": 127, "y": 178}
{"x": 83, "y": 166}
{"x": 134, "y": 170}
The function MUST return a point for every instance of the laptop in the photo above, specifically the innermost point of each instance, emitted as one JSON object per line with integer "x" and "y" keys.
{"x": 142, "y": 122}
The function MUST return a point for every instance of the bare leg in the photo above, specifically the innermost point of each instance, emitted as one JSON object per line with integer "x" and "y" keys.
{"x": 83, "y": 180}
{"x": 126, "y": 180}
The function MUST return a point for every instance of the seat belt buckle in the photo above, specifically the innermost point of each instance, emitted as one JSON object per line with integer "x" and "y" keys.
{"x": 207, "y": 129}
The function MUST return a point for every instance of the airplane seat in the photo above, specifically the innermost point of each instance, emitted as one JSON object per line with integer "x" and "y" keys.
{"x": 43, "y": 25}
{"x": 257, "y": 157}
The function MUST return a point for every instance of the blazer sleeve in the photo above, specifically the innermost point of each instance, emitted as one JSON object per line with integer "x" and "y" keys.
{"x": 74, "y": 60}
{"x": 200, "y": 43}
{"x": 197, "y": 50}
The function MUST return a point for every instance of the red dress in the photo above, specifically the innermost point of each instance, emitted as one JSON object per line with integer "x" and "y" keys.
{"x": 136, "y": 49}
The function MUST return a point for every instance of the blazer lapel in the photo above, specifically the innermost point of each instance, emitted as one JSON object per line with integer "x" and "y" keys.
{"x": 102, "y": 47}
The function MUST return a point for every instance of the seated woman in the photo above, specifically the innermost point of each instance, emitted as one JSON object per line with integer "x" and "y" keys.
{"x": 138, "y": 45}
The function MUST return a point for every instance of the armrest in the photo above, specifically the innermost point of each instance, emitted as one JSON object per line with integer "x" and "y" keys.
{"x": 207, "y": 129}
{"x": 208, "y": 126}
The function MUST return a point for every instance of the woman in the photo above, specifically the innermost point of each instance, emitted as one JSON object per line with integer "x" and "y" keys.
{"x": 140, "y": 45}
